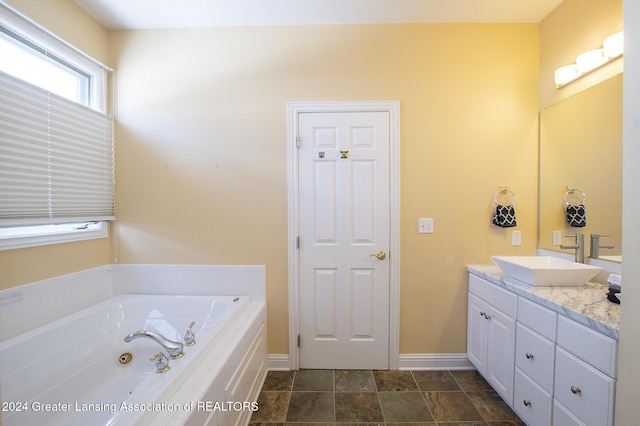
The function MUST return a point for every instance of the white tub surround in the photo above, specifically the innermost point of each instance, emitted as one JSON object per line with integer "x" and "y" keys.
{"x": 550, "y": 352}
{"x": 32, "y": 305}
{"x": 216, "y": 280}
{"x": 587, "y": 304}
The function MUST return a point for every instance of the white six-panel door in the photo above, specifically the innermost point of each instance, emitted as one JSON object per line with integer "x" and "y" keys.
{"x": 344, "y": 221}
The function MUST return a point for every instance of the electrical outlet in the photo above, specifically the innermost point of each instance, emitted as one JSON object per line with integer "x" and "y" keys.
{"x": 425, "y": 225}
{"x": 557, "y": 238}
{"x": 516, "y": 238}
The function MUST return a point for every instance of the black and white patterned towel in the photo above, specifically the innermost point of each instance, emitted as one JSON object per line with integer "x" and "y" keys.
{"x": 505, "y": 216}
{"x": 576, "y": 215}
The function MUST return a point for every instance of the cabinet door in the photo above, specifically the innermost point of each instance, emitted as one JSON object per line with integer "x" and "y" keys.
{"x": 501, "y": 337}
{"x": 477, "y": 334}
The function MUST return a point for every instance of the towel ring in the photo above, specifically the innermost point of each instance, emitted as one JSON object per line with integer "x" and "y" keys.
{"x": 572, "y": 190}
{"x": 503, "y": 190}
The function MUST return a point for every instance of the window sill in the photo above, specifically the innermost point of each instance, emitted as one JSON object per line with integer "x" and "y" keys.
{"x": 12, "y": 242}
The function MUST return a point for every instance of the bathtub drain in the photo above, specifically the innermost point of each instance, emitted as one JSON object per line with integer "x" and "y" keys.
{"x": 125, "y": 358}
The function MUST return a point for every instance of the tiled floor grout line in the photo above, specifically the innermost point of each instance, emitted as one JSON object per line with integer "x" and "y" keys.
{"x": 347, "y": 387}
{"x": 422, "y": 394}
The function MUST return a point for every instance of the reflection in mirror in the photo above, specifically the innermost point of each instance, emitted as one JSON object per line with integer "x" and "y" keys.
{"x": 581, "y": 147}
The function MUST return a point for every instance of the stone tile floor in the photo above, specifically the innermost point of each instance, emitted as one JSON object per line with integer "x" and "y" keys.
{"x": 389, "y": 398}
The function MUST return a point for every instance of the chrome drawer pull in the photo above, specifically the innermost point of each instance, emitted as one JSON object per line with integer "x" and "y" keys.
{"x": 527, "y": 403}
{"x": 529, "y": 355}
{"x": 575, "y": 390}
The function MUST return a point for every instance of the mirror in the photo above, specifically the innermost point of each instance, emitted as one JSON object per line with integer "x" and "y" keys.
{"x": 581, "y": 147}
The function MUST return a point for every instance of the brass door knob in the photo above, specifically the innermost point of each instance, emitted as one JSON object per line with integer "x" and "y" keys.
{"x": 379, "y": 255}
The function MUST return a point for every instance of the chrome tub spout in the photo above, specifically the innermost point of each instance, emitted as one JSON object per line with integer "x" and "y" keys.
{"x": 175, "y": 349}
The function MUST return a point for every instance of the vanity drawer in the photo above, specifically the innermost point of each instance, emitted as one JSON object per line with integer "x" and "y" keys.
{"x": 562, "y": 416}
{"x": 537, "y": 318}
{"x": 593, "y": 347}
{"x": 535, "y": 356}
{"x": 583, "y": 390}
{"x": 531, "y": 402}
{"x": 499, "y": 298}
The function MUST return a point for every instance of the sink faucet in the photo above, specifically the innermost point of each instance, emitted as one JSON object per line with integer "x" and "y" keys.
{"x": 578, "y": 247}
{"x": 175, "y": 349}
{"x": 594, "y": 249}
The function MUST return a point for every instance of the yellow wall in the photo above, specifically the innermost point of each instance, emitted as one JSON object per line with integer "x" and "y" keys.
{"x": 65, "y": 19}
{"x": 201, "y": 149}
{"x": 70, "y": 22}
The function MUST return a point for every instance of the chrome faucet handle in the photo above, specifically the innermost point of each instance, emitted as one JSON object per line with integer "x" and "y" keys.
{"x": 189, "y": 337}
{"x": 596, "y": 246}
{"x": 578, "y": 246}
{"x": 162, "y": 362}
{"x": 576, "y": 237}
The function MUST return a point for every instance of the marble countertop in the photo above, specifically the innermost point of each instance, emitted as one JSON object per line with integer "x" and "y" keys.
{"x": 587, "y": 304}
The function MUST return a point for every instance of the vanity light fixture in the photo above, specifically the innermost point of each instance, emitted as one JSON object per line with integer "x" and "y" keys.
{"x": 612, "y": 47}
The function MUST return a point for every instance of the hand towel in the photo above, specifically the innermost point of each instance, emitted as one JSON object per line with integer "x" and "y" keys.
{"x": 615, "y": 282}
{"x": 576, "y": 215}
{"x": 505, "y": 216}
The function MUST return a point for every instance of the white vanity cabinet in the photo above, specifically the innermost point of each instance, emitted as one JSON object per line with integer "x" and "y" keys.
{"x": 491, "y": 334}
{"x": 550, "y": 369}
{"x": 585, "y": 374}
{"x": 535, "y": 360}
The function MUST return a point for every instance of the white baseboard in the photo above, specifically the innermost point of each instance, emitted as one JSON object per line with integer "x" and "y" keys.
{"x": 434, "y": 362}
{"x": 280, "y": 362}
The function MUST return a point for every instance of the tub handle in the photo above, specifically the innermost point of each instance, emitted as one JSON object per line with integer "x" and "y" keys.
{"x": 162, "y": 362}
{"x": 189, "y": 337}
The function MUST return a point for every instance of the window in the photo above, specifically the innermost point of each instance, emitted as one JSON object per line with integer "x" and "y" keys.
{"x": 25, "y": 61}
{"x": 56, "y": 140}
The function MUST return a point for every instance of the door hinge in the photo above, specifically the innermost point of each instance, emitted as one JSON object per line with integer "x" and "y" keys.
{"x": 297, "y": 242}
{"x": 297, "y": 141}
{"x": 298, "y": 340}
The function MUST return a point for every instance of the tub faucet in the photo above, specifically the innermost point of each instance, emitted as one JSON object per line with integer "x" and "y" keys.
{"x": 175, "y": 349}
{"x": 594, "y": 250}
{"x": 189, "y": 337}
{"x": 578, "y": 247}
{"x": 162, "y": 363}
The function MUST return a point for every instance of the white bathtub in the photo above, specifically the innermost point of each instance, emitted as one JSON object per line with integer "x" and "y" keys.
{"x": 67, "y": 372}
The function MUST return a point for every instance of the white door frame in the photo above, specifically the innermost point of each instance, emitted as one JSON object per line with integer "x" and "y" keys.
{"x": 293, "y": 110}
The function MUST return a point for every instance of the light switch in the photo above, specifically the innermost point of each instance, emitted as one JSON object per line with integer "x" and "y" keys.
{"x": 516, "y": 238}
{"x": 425, "y": 225}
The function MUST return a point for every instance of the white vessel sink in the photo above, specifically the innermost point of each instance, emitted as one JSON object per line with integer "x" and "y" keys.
{"x": 546, "y": 271}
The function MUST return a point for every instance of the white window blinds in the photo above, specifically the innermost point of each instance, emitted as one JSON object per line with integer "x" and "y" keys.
{"x": 56, "y": 158}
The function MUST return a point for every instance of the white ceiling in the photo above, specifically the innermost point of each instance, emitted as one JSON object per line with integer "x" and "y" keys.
{"x": 130, "y": 14}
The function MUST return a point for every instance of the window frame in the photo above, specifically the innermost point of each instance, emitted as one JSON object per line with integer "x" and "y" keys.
{"x": 35, "y": 39}
{"x": 42, "y": 235}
